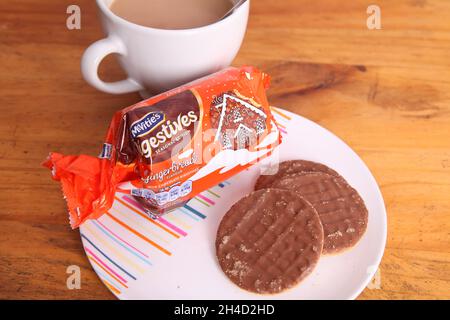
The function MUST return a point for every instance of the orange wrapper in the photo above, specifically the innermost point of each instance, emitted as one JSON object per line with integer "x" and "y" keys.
{"x": 165, "y": 150}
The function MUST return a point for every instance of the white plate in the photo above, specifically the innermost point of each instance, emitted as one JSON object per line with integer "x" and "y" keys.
{"x": 174, "y": 258}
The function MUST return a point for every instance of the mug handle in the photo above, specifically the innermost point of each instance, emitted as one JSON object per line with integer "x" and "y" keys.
{"x": 91, "y": 60}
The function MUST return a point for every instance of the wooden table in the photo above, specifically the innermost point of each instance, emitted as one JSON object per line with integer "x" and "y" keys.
{"x": 385, "y": 92}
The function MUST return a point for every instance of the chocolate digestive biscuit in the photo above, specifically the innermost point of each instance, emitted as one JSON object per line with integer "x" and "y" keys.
{"x": 269, "y": 241}
{"x": 342, "y": 212}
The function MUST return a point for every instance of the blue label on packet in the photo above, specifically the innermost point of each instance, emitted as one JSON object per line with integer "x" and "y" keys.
{"x": 162, "y": 198}
{"x": 174, "y": 193}
{"x": 186, "y": 188}
{"x": 106, "y": 151}
{"x": 148, "y": 194}
{"x": 136, "y": 192}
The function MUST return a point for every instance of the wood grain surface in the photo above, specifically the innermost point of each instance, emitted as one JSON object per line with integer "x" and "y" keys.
{"x": 385, "y": 92}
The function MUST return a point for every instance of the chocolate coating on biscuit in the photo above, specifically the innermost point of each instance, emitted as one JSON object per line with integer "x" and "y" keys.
{"x": 341, "y": 210}
{"x": 269, "y": 241}
{"x": 291, "y": 167}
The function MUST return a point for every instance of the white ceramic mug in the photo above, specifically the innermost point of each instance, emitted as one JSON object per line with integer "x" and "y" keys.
{"x": 157, "y": 60}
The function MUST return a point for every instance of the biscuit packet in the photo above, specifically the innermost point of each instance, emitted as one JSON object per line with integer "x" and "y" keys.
{"x": 165, "y": 150}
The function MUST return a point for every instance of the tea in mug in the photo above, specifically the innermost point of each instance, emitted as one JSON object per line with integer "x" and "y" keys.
{"x": 171, "y": 14}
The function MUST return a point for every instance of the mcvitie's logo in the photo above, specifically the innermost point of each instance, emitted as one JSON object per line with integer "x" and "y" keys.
{"x": 147, "y": 124}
